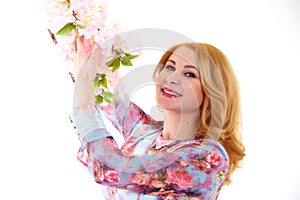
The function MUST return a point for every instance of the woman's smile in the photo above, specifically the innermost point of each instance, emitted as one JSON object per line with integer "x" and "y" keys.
{"x": 169, "y": 93}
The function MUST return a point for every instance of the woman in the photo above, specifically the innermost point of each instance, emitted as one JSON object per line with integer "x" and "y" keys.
{"x": 190, "y": 155}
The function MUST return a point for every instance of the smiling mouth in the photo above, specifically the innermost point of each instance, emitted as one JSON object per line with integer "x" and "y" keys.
{"x": 170, "y": 93}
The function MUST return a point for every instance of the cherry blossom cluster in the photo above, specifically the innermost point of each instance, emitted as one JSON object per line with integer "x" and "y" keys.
{"x": 69, "y": 17}
{"x": 88, "y": 18}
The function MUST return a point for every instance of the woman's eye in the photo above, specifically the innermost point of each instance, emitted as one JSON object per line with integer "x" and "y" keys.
{"x": 190, "y": 74}
{"x": 170, "y": 68}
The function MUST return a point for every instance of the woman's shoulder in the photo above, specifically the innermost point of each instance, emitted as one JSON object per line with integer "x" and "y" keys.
{"x": 214, "y": 148}
{"x": 201, "y": 148}
{"x": 212, "y": 144}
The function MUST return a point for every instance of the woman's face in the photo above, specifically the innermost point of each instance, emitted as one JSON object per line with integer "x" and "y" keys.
{"x": 178, "y": 85}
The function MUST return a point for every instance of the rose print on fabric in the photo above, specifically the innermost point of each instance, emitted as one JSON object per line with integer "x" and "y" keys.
{"x": 199, "y": 163}
{"x": 179, "y": 177}
{"x": 161, "y": 142}
{"x": 214, "y": 159}
{"x": 112, "y": 176}
{"x": 141, "y": 179}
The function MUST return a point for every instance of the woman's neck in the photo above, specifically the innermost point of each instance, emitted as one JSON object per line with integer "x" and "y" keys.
{"x": 180, "y": 126}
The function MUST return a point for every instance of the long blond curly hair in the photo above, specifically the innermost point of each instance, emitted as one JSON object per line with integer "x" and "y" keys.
{"x": 220, "y": 113}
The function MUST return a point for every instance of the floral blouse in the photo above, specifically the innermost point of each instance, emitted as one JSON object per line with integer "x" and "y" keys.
{"x": 146, "y": 166}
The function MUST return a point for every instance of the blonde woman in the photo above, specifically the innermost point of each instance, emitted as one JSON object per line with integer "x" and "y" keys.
{"x": 189, "y": 155}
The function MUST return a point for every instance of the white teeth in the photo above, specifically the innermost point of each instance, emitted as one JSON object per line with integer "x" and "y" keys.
{"x": 171, "y": 93}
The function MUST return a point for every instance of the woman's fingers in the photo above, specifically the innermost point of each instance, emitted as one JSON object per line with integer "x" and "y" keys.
{"x": 74, "y": 44}
{"x": 80, "y": 46}
{"x": 83, "y": 86}
{"x": 80, "y": 53}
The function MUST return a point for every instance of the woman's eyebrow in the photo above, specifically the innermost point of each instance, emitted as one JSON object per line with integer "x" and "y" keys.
{"x": 172, "y": 61}
{"x": 191, "y": 66}
{"x": 185, "y": 66}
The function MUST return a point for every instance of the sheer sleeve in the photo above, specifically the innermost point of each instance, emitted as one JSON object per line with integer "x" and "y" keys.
{"x": 124, "y": 115}
{"x": 189, "y": 168}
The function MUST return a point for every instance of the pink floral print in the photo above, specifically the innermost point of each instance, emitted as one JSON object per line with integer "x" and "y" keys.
{"x": 179, "y": 177}
{"x": 112, "y": 176}
{"x": 214, "y": 159}
{"x": 147, "y": 166}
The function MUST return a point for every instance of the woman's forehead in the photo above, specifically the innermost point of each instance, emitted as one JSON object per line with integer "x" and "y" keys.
{"x": 184, "y": 53}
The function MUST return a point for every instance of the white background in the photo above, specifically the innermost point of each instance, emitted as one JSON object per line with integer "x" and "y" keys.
{"x": 261, "y": 39}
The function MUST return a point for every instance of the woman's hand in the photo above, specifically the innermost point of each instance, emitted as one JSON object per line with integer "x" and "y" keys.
{"x": 81, "y": 51}
{"x": 85, "y": 63}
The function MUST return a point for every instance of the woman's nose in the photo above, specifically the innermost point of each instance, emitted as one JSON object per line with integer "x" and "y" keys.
{"x": 173, "y": 78}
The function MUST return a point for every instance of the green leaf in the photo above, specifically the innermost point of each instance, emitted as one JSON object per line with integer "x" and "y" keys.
{"x": 66, "y": 29}
{"x": 109, "y": 101}
{"x": 118, "y": 51}
{"x": 110, "y": 63}
{"x": 96, "y": 85}
{"x": 98, "y": 75}
{"x": 81, "y": 26}
{"x": 107, "y": 94}
{"x": 96, "y": 82}
{"x": 99, "y": 99}
{"x": 103, "y": 82}
{"x": 130, "y": 56}
{"x": 116, "y": 65}
{"x": 75, "y": 30}
{"x": 126, "y": 62}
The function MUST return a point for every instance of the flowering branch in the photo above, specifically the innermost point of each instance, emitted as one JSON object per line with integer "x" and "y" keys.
{"x": 88, "y": 18}
{"x": 120, "y": 58}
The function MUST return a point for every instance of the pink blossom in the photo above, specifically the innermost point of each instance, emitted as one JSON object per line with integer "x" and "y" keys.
{"x": 90, "y": 13}
{"x": 113, "y": 78}
{"x": 180, "y": 177}
{"x": 112, "y": 176}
